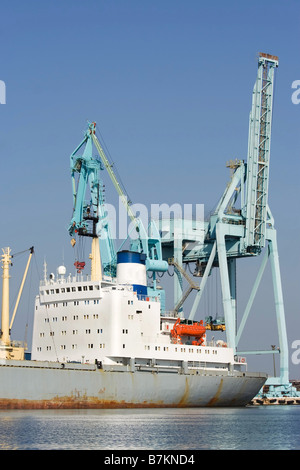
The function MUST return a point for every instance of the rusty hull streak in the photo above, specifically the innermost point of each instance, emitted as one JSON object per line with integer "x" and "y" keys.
{"x": 215, "y": 398}
{"x": 70, "y": 403}
{"x": 183, "y": 401}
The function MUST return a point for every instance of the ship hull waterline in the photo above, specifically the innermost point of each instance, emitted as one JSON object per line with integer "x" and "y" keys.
{"x": 45, "y": 385}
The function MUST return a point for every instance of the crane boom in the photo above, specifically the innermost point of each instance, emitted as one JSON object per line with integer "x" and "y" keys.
{"x": 259, "y": 141}
{"x": 112, "y": 175}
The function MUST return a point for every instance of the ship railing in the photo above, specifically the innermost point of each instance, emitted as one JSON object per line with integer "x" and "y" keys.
{"x": 72, "y": 278}
{"x": 170, "y": 314}
{"x": 147, "y": 298}
{"x": 18, "y": 344}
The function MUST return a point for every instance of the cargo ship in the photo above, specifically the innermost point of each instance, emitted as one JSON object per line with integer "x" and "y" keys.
{"x": 105, "y": 339}
{"x": 105, "y": 344}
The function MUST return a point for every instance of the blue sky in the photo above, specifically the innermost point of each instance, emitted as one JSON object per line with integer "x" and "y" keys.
{"x": 169, "y": 84}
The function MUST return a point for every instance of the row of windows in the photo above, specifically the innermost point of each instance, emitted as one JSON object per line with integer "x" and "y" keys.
{"x": 182, "y": 349}
{"x": 74, "y": 332}
{"x": 95, "y": 316}
{"x": 65, "y": 304}
{"x": 63, "y": 347}
{"x": 63, "y": 290}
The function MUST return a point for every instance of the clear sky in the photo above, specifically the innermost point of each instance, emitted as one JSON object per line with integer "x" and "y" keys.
{"x": 169, "y": 83}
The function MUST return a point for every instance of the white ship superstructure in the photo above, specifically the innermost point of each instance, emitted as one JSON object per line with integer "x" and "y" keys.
{"x": 115, "y": 322}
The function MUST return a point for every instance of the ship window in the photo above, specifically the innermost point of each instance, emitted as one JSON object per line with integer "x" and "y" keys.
{"x": 47, "y": 292}
{"x": 123, "y": 346}
{"x": 84, "y": 287}
{"x": 128, "y": 302}
{"x": 90, "y": 287}
{"x": 73, "y": 289}
{"x": 68, "y": 289}
{"x": 139, "y": 311}
{"x": 57, "y": 291}
{"x": 79, "y": 288}
{"x": 90, "y": 346}
{"x": 99, "y": 330}
{"x": 63, "y": 290}
{"x": 88, "y": 332}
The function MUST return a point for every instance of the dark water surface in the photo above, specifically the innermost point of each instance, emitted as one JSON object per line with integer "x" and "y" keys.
{"x": 250, "y": 428}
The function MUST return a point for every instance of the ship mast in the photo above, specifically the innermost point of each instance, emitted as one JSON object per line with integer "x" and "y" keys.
{"x": 6, "y": 261}
{"x": 7, "y": 349}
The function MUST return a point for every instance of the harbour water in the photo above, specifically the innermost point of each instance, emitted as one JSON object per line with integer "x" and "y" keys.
{"x": 183, "y": 430}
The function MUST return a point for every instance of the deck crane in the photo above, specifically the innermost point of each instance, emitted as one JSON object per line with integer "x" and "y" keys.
{"x": 244, "y": 232}
{"x": 147, "y": 242}
{"x": 91, "y": 219}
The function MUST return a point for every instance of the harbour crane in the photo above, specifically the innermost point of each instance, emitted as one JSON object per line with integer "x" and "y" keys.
{"x": 90, "y": 217}
{"x": 240, "y": 232}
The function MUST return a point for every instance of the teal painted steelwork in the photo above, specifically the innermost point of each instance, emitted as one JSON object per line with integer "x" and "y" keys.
{"x": 244, "y": 232}
{"x": 259, "y": 153}
{"x": 90, "y": 217}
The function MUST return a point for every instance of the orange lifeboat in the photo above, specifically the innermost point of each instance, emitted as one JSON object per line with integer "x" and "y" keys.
{"x": 182, "y": 328}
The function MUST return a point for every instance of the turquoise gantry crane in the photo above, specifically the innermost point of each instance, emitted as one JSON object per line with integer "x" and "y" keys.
{"x": 246, "y": 231}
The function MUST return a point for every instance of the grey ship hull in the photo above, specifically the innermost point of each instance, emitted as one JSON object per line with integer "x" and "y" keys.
{"x": 50, "y": 385}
